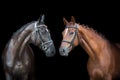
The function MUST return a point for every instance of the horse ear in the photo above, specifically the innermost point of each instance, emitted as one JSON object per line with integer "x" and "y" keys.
{"x": 65, "y": 21}
{"x": 41, "y": 19}
{"x": 73, "y": 19}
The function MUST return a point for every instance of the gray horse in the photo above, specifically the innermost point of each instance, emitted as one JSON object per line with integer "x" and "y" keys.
{"x": 18, "y": 58}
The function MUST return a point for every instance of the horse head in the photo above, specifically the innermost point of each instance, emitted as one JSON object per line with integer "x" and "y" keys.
{"x": 42, "y": 38}
{"x": 70, "y": 37}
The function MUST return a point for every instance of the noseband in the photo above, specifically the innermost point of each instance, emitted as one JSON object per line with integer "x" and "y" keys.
{"x": 42, "y": 44}
{"x": 76, "y": 34}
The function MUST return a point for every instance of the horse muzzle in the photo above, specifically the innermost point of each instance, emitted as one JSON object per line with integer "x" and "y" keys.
{"x": 64, "y": 51}
{"x": 50, "y": 51}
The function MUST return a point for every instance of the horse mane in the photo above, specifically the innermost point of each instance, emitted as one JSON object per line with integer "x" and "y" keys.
{"x": 15, "y": 34}
{"x": 21, "y": 29}
{"x": 93, "y": 30}
{"x": 117, "y": 44}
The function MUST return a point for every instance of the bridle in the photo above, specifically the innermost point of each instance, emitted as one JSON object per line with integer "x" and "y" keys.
{"x": 43, "y": 45}
{"x": 76, "y": 34}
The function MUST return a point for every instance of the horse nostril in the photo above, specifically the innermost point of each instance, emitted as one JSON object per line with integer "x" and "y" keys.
{"x": 53, "y": 52}
{"x": 63, "y": 50}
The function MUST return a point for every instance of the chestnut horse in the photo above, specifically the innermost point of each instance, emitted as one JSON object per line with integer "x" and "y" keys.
{"x": 104, "y": 56}
{"x": 18, "y": 57}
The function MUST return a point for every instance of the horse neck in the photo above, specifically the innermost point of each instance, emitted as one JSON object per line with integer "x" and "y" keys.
{"x": 22, "y": 38}
{"x": 91, "y": 42}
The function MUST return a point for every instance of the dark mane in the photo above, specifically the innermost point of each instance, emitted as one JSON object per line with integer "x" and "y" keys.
{"x": 21, "y": 29}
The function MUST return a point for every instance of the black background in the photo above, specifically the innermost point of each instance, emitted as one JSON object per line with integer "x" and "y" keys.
{"x": 104, "y": 19}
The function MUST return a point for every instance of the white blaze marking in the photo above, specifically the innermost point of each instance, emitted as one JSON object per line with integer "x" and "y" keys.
{"x": 66, "y": 31}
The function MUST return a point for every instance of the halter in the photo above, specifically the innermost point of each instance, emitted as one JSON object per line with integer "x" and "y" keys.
{"x": 76, "y": 34}
{"x": 42, "y": 44}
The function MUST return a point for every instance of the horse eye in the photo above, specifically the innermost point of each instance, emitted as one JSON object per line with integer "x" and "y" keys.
{"x": 71, "y": 33}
